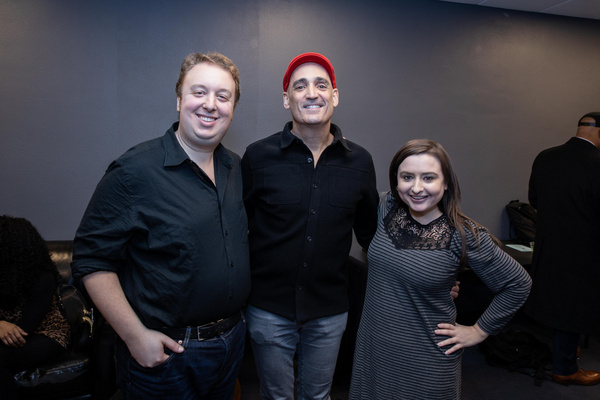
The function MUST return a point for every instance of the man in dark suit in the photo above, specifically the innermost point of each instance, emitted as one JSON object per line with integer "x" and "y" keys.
{"x": 565, "y": 188}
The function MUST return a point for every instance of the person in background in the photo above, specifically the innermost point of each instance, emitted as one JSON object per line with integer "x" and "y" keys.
{"x": 162, "y": 248}
{"x": 408, "y": 343}
{"x": 306, "y": 188}
{"x": 564, "y": 187}
{"x": 32, "y": 327}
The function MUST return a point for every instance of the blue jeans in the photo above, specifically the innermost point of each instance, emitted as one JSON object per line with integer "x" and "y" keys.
{"x": 206, "y": 369}
{"x": 275, "y": 340}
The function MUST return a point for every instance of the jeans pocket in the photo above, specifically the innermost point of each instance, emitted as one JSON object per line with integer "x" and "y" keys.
{"x": 155, "y": 369}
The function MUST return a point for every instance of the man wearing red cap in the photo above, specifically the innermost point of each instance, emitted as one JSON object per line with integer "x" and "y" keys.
{"x": 306, "y": 189}
{"x": 565, "y": 188}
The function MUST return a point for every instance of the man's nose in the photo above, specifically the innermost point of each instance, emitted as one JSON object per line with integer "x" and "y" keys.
{"x": 311, "y": 91}
{"x": 209, "y": 102}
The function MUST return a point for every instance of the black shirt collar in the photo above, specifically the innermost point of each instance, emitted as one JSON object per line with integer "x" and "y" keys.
{"x": 175, "y": 155}
{"x": 287, "y": 137}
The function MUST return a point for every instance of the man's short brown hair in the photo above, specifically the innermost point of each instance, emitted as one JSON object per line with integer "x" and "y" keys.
{"x": 214, "y": 58}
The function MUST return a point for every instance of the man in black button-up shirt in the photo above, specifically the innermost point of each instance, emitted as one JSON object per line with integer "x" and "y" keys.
{"x": 306, "y": 189}
{"x": 163, "y": 247}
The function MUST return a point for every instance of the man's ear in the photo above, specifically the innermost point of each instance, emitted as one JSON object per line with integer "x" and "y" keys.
{"x": 596, "y": 140}
{"x": 286, "y": 101}
{"x": 178, "y": 104}
{"x": 336, "y": 97}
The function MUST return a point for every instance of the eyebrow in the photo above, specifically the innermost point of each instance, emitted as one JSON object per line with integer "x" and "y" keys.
{"x": 318, "y": 79}
{"x": 301, "y": 80}
{"x": 424, "y": 173}
{"x": 197, "y": 86}
{"x": 203, "y": 86}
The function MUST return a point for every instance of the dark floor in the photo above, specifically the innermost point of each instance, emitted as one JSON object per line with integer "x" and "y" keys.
{"x": 480, "y": 381}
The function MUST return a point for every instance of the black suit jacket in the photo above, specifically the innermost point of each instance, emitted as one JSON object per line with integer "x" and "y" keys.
{"x": 564, "y": 187}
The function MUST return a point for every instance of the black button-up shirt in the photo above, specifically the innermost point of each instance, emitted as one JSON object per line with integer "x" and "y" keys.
{"x": 301, "y": 220}
{"x": 178, "y": 243}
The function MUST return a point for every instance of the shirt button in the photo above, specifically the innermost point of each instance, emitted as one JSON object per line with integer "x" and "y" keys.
{"x": 299, "y": 288}
{"x": 314, "y": 185}
{"x": 305, "y": 265}
{"x": 231, "y": 264}
{"x": 226, "y": 233}
{"x": 312, "y": 211}
{"x": 309, "y": 160}
{"x": 309, "y": 238}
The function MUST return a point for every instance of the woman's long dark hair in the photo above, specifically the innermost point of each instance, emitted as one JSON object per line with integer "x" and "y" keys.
{"x": 450, "y": 203}
{"x": 23, "y": 257}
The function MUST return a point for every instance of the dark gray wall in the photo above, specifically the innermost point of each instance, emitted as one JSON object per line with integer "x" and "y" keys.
{"x": 81, "y": 81}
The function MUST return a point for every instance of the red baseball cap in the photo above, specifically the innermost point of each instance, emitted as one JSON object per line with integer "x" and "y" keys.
{"x": 307, "y": 58}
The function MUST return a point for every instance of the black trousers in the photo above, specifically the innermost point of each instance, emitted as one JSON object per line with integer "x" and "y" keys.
{"x": 564, "y": 352}
{"x": 36, "y": 351}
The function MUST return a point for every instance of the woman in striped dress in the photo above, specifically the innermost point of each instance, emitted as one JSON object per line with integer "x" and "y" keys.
{"x": 409, "y": 345}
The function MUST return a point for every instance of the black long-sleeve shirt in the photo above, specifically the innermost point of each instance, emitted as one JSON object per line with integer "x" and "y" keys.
{"x": 301, "y": 220}
{"x": 178, "y": 243}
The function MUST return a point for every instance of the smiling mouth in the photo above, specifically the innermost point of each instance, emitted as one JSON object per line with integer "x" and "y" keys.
{"x": 418, "y": 198}
{"x": 312, "y": 106}
{"x": 207, "y": 119}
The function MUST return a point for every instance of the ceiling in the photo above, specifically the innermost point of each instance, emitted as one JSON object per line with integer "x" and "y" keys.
{"x": 569, "y": 8}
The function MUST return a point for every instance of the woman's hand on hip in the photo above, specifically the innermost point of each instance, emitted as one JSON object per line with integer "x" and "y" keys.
{"x": 460, "y": 336}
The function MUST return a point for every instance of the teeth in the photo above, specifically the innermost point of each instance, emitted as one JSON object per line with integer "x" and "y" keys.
{"x": 313, "y": 106}
{"x": 207, "y": 119}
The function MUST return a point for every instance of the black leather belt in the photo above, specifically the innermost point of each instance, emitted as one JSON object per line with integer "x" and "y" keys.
{"x": 206, "y": 331}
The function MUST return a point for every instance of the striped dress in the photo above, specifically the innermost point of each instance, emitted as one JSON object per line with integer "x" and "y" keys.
{"x": 412, "y": 268}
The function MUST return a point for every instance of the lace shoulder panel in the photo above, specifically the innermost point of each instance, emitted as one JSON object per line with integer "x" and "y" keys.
{"x": 406, "y": 233}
